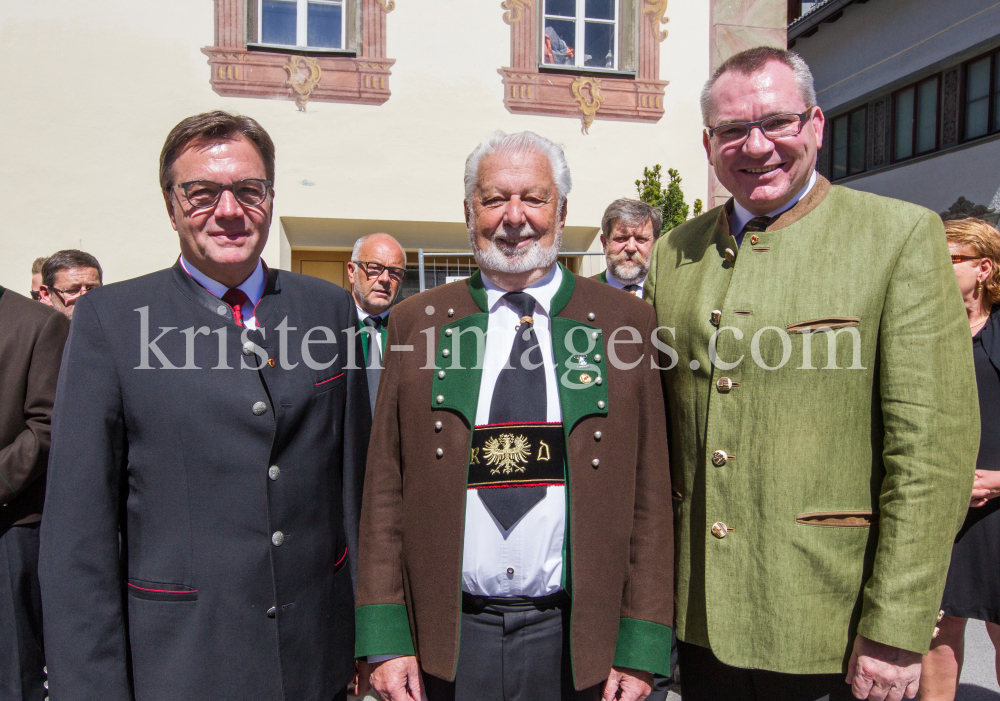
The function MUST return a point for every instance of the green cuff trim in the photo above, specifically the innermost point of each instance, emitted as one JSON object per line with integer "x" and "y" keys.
{"x": 382, "y": 629}
{"x": 644, "y": 646}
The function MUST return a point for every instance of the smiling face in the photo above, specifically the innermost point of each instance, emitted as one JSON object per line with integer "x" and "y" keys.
{"x": 225, "y": 241}
{"x": 762, "y": 174}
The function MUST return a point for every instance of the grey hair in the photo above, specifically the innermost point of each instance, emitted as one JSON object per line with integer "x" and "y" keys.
{"x": 631, "y": 213}
{"x": 361, "y": 242}
{"x": 499, "y": 142}
{"x": 754, "y": 60}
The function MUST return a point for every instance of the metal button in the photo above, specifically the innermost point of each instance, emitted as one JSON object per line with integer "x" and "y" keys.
{"x": 510, "y": 570}
{"x": 440, "y": 399}
{"x": 277, "y": 537}
{"x": 720, "y": 530}
{"x": 594, "y": 335}
{"x": 600, "y": 404}
{"x": 272, "y": 612}
{"x": 591, "y": 316}
{"x": 719, "y": 458}
{"x": 597, "y": 358}
{"x": 595, "y": 462}
{"x": 716, "y": 317}
{"x": 440, "y": 374}
{"x": 599, "y": 380}
{"x": 936, "y": 632}
{"x": 437, "y": 425}
{"x": 273, "y": 472}
{"x": 451, "y": 312}
{"x": 222, "y": 309}
{"x": 730, "y": 255}
{"x": 597, "y": 435}
{"x": 445, "y": 353}
{"x": 439, "y": 452}
{"x": 248, "y": 348}
{"x": 259, "y": 408}
{"x": 724, "y": 384}
{"x": 447, "y": 332}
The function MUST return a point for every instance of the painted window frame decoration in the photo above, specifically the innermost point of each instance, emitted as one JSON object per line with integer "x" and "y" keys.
{"x": 358, "y": 72}
{"x": 631, "y": 92}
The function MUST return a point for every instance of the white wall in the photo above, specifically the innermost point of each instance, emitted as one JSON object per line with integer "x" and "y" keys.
{"x": 91, "y": 90}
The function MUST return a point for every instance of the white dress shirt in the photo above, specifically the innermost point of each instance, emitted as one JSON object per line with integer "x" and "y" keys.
{"x": 533, "y": 546}
{"x": 615, "y": 282}
{"x": 253, "y": 286}
{"x": 741, "y": 215}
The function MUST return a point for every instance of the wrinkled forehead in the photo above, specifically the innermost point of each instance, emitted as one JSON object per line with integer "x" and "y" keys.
{"x": 381, "y": 250}
{"x": 738, "y": 96}
{"x": 525, "y": 167}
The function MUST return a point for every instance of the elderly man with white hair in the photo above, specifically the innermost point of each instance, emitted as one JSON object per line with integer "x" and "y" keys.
{"x": 516, "y": 532}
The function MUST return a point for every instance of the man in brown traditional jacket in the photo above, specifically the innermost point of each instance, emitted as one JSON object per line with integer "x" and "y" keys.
{"x": 516, "y": 533}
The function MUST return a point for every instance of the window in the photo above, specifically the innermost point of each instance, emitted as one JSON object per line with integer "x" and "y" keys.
{"x": 316, "y": 24}
{"x": 982, "y": 87}
{"x": 848, "y": 143}
{"x": 915, "y": 118}
{"x": 581, "y": 33}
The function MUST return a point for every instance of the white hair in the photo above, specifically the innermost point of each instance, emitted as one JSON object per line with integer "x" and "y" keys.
{"x": 499, "y": 142}
{"x": 753, "y": 61}
{"x": 356, "y": 253}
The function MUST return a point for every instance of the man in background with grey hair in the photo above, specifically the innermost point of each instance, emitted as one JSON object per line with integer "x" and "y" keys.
{"x": 629, "y": 229}
{"x": 375, "y": 271}
{"x": 822, "y": 408}
{"x": 490, "y": 495}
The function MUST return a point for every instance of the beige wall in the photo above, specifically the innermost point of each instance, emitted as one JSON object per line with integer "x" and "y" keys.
{"x": 91, "y": 90}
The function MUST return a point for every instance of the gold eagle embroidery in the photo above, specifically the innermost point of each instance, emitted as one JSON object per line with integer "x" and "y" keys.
{"x": 507, "y": 452}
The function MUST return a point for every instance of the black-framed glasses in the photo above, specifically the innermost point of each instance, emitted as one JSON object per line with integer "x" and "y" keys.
{"x": 74, "y": 292}
{"x": 375, "y": 270}
{"x": 202, "y": 194}
{"x": 777, "y": 126}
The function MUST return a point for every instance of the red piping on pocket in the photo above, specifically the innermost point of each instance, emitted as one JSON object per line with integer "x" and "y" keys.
{"x": 341, "y": 558}
{"x": 331, "y": 379}
{"x": 165, "y": 591}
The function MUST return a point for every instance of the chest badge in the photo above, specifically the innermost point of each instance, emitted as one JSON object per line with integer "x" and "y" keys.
{"x": 586, "y": 379}
{"x": 581, "y": 360}
{"x": 508, "y": 452}
{"x": 754, "y": 239}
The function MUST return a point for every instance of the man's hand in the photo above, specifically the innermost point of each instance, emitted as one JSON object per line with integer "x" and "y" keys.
{"x": 882, "y": 672}
{"x": 361, "y": 684}
{"x": 986, "y": 487}
{"x": 627, "y": 685}
{"x": 398, "y": 679}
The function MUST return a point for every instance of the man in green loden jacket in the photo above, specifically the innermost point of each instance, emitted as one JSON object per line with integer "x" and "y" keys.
{"x": 821, "y": 407}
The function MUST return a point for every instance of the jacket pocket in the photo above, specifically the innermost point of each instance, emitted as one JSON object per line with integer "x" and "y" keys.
{"x": 341, "y": 561}
{"x": 160, "y": 591}
{"x": 839, "y": 519}
{"x": 828, "y": 322}
{"x": 329, "y": 383}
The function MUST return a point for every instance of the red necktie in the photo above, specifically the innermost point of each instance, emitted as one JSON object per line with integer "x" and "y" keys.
{"x": 236, "y": 298}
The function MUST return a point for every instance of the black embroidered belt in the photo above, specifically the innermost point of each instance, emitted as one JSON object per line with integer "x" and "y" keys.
{"x": 516, "y": 455}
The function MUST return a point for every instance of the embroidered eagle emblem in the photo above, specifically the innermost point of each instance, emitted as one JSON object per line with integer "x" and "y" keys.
{"x": 507, "y": 452}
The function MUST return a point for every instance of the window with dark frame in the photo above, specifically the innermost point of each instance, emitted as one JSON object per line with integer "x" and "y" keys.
{"x": 848, "y": 137}
{"x": 980, "y": 113}
{"x": 581, "y": 33}
{"x": 915, "y": 119}
{"x": 313, "y": 24}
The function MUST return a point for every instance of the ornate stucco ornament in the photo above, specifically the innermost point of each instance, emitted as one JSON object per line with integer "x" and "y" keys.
{"x": 515, "y": 10}
{"x": 304, "y": 75}
{"x": 588, "y": 104}
{"x": 387, "y": 5}
{"x": 658, "y": 8}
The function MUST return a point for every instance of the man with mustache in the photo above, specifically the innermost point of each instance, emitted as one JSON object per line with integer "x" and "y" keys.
{"x": 822, "y": 407}
{"x": 629, "y": 229}
{"x": 516, "y": 527}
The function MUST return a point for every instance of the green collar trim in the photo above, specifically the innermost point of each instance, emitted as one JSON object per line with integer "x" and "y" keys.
{"x": 559, "y": 300}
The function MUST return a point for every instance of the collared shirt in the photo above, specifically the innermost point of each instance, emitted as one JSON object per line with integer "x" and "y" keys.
{"x": 532, "y": 548}
{"x": 253, "y": 286}
{"x": 362, "y": 315}
{"x": 741, "y": 215}
{"x": 615, "y": 282}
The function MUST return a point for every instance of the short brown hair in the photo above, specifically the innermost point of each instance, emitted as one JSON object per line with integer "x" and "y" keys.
{"x": 984, "y": 239}
{"x": 631, "y": 213}
{"x": 64, "y": 260}
{"x": 213, "y": 127}
{"x": 754, "y": 60}
{"x": 36, "y": 266}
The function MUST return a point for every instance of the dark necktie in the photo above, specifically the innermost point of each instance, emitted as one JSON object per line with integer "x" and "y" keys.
{"x": 519, "y": 396}
{"x": 632, "y": 289}
{"x": 756, "y": 225}
{"x": 374, "y": 366}
{"x": 236, "y": 298}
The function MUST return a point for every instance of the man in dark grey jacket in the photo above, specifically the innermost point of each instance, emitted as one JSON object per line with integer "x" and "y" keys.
{"x": 208, "y": 414}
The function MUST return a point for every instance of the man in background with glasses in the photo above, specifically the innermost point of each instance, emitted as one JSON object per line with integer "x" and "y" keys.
{"x": 822, "y": 411}
{"x": 209, "y": 421}
{"x": 376, "y": 270}
{"x": 67, "y": 276}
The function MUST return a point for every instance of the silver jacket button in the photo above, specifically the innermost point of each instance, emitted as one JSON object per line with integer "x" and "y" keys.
{"x": 277, "y": 537}
{"x": 272, "y": 612}
{"x": 259, "y": 409}
{"x": 273, "y": 472}
{"x": 248, "y": 348}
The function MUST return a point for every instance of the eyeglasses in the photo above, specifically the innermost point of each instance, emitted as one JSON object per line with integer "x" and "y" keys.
{"x": 74, "y": 292}
{"x": 959, "y": 259}
{"x": 778, "y": 126}
{"x": 203, "y": 194}
{"x": 375, "y": 270}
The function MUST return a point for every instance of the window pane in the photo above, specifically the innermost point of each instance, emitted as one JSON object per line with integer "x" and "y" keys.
{"x": 904, "y": 124}
{"x": 840, "y": 147}
{"x": 977, "y": 90}
{"x": 996, "y": 100}
{"x": 926, "y": 115}
{"x": 599, "y": 44}
{"x": 857, "y": 155}
{"x": 563, "y": 8}
{"x": 600, "y": 9}
{"x": 324, "y": 25}
{"x": 560, "y": 35}
{"x": 277, "y": 24}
